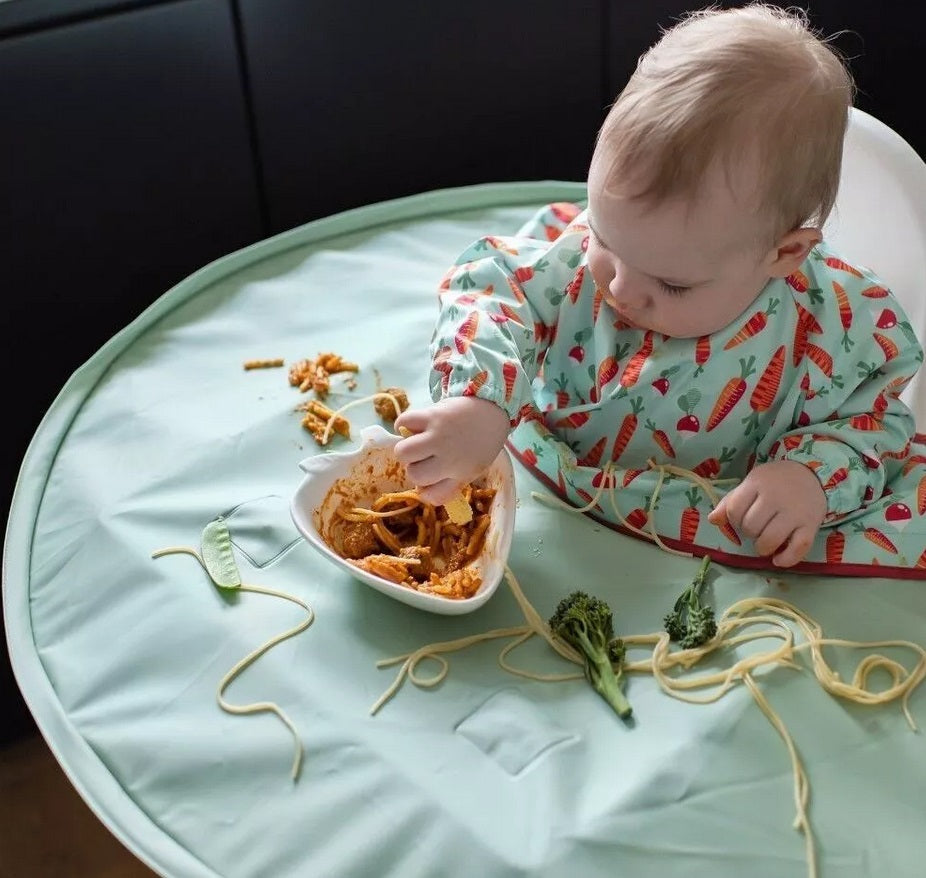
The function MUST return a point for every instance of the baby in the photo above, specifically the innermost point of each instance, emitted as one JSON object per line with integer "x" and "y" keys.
{"x": 693, "y": 316}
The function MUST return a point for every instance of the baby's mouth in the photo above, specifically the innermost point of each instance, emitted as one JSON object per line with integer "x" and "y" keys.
{"x": 623, "y": 320}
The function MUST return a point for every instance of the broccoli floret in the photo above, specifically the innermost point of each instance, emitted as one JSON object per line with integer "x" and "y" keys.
{"x": 701, "y": 627}
{"x": 674, "y": 625}
{"x": 691, "y": 623}
{"x": 587, "y": 624}
{"x": 617, "y": 652}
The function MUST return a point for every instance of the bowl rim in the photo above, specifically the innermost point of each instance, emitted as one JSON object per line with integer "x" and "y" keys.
{"x": 323, "y": 469}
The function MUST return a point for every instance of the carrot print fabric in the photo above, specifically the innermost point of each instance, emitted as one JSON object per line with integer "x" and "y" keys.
{"x": 812, "y": 371}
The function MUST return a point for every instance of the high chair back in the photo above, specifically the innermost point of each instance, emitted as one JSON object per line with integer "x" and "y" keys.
{"x": 879, "y": 221}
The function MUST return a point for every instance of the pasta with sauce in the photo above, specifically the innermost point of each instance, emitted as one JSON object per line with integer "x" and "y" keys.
{"x": 406, "y": 540}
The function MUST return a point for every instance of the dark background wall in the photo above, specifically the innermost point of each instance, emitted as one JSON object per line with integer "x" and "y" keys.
{"x": 140, "y": 139}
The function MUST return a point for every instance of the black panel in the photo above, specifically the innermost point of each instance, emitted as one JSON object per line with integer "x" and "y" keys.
{"x": 18, "y": 16}
{"x": 358, "y": 101}
{"x": 125, "y": 165}
{"x": 882, "y": 42}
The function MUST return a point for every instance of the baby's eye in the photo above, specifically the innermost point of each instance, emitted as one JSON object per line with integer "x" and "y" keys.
{"x": 673, "y": 290}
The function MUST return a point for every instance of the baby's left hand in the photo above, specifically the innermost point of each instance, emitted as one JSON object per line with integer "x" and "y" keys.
{"x": 780, "y": 505}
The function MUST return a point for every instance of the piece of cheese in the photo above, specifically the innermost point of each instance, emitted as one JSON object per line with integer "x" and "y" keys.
{"x": 458, "y": 509}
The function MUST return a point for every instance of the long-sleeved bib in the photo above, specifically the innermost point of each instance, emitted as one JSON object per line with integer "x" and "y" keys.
{"x": 647, "y": 431}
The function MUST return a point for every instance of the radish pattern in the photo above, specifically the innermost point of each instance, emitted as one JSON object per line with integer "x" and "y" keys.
{"x": 812, "y": 371}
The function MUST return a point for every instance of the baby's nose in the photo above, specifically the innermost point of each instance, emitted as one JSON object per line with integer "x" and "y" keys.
{"x": 625, "y": 293}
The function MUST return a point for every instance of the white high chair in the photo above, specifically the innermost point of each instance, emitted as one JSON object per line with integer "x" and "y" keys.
{"x": 879, "y": 221}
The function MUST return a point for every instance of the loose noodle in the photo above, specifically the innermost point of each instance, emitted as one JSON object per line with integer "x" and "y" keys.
{"x": 772, "y": 616}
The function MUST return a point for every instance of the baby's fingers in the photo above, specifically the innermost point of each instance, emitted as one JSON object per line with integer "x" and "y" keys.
{"x": 415, "y": 448}
{"x": 411, "y": 421}
{"x": 796, "y": 547}
{"x": 718, "y": 515}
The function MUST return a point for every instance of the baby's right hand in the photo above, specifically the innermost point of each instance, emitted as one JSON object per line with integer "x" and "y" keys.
{"x": 455, "y": 440}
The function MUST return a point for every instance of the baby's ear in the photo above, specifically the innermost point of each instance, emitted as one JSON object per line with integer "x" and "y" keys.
{"x": 792, "y": 249}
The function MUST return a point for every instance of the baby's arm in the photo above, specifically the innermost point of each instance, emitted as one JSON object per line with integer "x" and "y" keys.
{"x": 499, "y": 308}
{"x": 837, "y": 462}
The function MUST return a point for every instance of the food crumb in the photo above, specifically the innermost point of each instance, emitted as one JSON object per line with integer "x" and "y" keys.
{"x": 385, "y": 407}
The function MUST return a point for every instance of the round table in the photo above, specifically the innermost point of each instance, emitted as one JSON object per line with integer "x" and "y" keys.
{"x": 488, "y": 774}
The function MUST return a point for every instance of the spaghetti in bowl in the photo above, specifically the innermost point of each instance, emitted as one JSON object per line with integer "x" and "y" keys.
{"x": 359, "y": 510}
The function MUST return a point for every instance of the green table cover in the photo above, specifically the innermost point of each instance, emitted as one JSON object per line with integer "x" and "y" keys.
{"x": 488, "y": 774}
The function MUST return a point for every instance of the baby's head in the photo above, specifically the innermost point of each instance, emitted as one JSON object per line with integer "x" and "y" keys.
{"x": 716, "y": 167}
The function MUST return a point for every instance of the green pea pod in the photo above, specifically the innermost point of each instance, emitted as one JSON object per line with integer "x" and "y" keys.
{"x": 218, "y": 555}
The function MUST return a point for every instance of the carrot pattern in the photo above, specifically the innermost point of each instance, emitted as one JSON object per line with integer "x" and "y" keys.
{"x": 573, "y": 421}
{"x": 510, "y": 374}
{"x": 691, "y": 517}
{"x": 921, "y": 496}
{"x": 799, "y": 345}
{"x": 887, "y": 345}
{"x": 529, "y": 455}
{"x": 810, "y": 322}
{"x": 467, "y": 332}
{"x": 710, "y": 467}
{"x": 806, "y": 324}
{"x": 753, "y": 326}
{"x": 877, "y": 537}
{"x": 445, "y": 280}
{"x": 731, "y": 394}
{"x": 516, "y": 291}
{"x": 562, "y": 394}
{"x": 822, "y": 359}
{"x": 628, "y": 427}
{"x": 845, "y": 314}
{"x": 602, "y": 480}
{"x": 838, "y": 476}
{"x": 587, "y": 498}
{"x": 635, "y": 363}
{"x": 496, "y": 244}
{"x": 472, "y": 387}
{"x": 895, "y": 454}
{"x": 840, "y": 265}
{"x": 607, "y": 370}
{"x": 798, "y": 281}
{"x": 865, "y": 422}
{"x": 835, "y": 546}
{"x": 593, "y": 458}
{"x": 575, "y": 285}
{"x": 661, "y": 439}
{"x": 510, "y": 313}
{"x": 766, "y": 389}
{"x": 702, "y": 353}
{"x": 727, "y": 530}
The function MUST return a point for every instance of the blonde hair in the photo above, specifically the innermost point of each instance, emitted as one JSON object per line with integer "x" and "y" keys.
{"x": 754, "y": 81}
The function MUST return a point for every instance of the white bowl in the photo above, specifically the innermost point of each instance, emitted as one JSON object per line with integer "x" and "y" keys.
{"x": 373, "y": 466}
